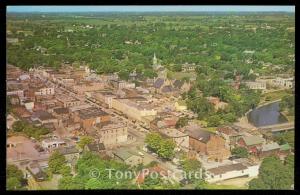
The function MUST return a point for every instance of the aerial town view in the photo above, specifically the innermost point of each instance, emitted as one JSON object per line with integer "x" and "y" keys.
{"x": 150, "y": 97}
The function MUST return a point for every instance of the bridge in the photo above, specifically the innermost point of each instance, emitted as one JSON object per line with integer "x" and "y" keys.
{"x": 278, "y": 127}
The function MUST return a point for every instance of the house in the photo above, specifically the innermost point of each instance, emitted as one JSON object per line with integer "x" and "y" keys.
{"x": 29, "y": 105}
{"x": 20, "y": 149}
{"x": 217, "y": 103}
{"x": 44, "y": 117}
{"x": 168, "y": 122}
{"x": 14, "y": 100}
{"x": 44, "y": 91}
{"x": 181, "y": 139}
{"x": 207, "y": 143}
{"x": 285, "y": 150}
{"x": 180, "y": 105}
{"x": 231, "y": 171}
{"x": 188, "y": 67}
{"x": 53, "y": 143}
{"x": 111, "y": 133}
{"x": 269, "y": 150}
{"x": 89, "y": 117}
{"x": 36, "y": 171}
{"x": 61, "y": 113}
{"x": 21, "y": 112}
{"x": 97, "y": 148}
{"x": 71, "y": 153}
{"x": 128, "y": 157}
{"x": 182, "y": 86}
{"x": 10, "y": 120}
{"x": 230, "y": 135}
{"x": 252, "y": 143}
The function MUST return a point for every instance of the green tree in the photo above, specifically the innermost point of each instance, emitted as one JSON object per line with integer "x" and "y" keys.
{"x": 273, "y": 174}
{"x": 213, "y": 121}
{"x": 15, "y": 178}
{"x": 56, "y": 162}
{"x": 166, "y": 149}
{"x": 84, "y": 140}
{"x": 153, "y": 141}
{"x": 240, "y": 152}
{"x": 182, "y": 121}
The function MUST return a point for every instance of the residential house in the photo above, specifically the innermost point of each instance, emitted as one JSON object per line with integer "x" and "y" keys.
{"x": 180, "y": 105}
{"x": 269, "y": 150}
{"x": 14, "y": 100}
{"x": 188, "y": 67}
{"x": 53, "y": 143}
{"x": 252, "y": 143}
{"x": 71, "y": 153}
{"x": 128, "y": 157}
{"x": 44, "y": 117}
{"x": 96, "y": 148}
{"x": 230, "y": 135}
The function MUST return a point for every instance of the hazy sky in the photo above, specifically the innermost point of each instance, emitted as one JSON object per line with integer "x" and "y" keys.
{"x": 146, "y": 8}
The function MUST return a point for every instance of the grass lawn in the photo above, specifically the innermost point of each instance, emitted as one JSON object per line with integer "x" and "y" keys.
{"x": 180, "y": 75}
{"x": 275, "y": 95}
{"x": 211, "y": 129}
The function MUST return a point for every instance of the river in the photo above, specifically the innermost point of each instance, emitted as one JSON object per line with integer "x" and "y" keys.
{"x": 266, "y": 115}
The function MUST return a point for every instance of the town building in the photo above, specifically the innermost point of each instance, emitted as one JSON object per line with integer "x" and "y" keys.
{"x": 231, "y": 171}
{"x": 67, "y": 101}
{"x": 230, "y": 135}
{"x": 133, "y": 109}
{"x": 111, "y": 133}
{"x": 208, "y": 144}
{"x": 89, "y": 117}
{"x": 44, "y": 117}
{"x": 53, "y": 143}
{"x": 262, "y": 85}
{"x": 283, "y": 82}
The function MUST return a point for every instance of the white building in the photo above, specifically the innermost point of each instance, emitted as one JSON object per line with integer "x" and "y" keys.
{"x": 237, "y": 169}
{"x": 283, "y": 82}
{"x": 256, "y": 85}
{"x": 45, "y": 91}
{"x": 52, "y": 143}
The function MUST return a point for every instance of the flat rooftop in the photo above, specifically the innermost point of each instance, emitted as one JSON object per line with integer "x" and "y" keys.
{"x": 91, "y": 113}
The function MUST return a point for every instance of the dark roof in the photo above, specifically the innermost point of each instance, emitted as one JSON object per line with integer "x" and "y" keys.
{"x": 167, "y": 89}
{"x": 199, "y": 134}
{"x": 43, "y": 115}
{"x": 227, "y": 168}
{"x": 96, "y": 147}
{"x": 68, "y": 150}
{"x": 158, "y": 83}
{"x": 178, "y": 84}
{"x": 61, "y": 110}
{"x": 91, "y": 113}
